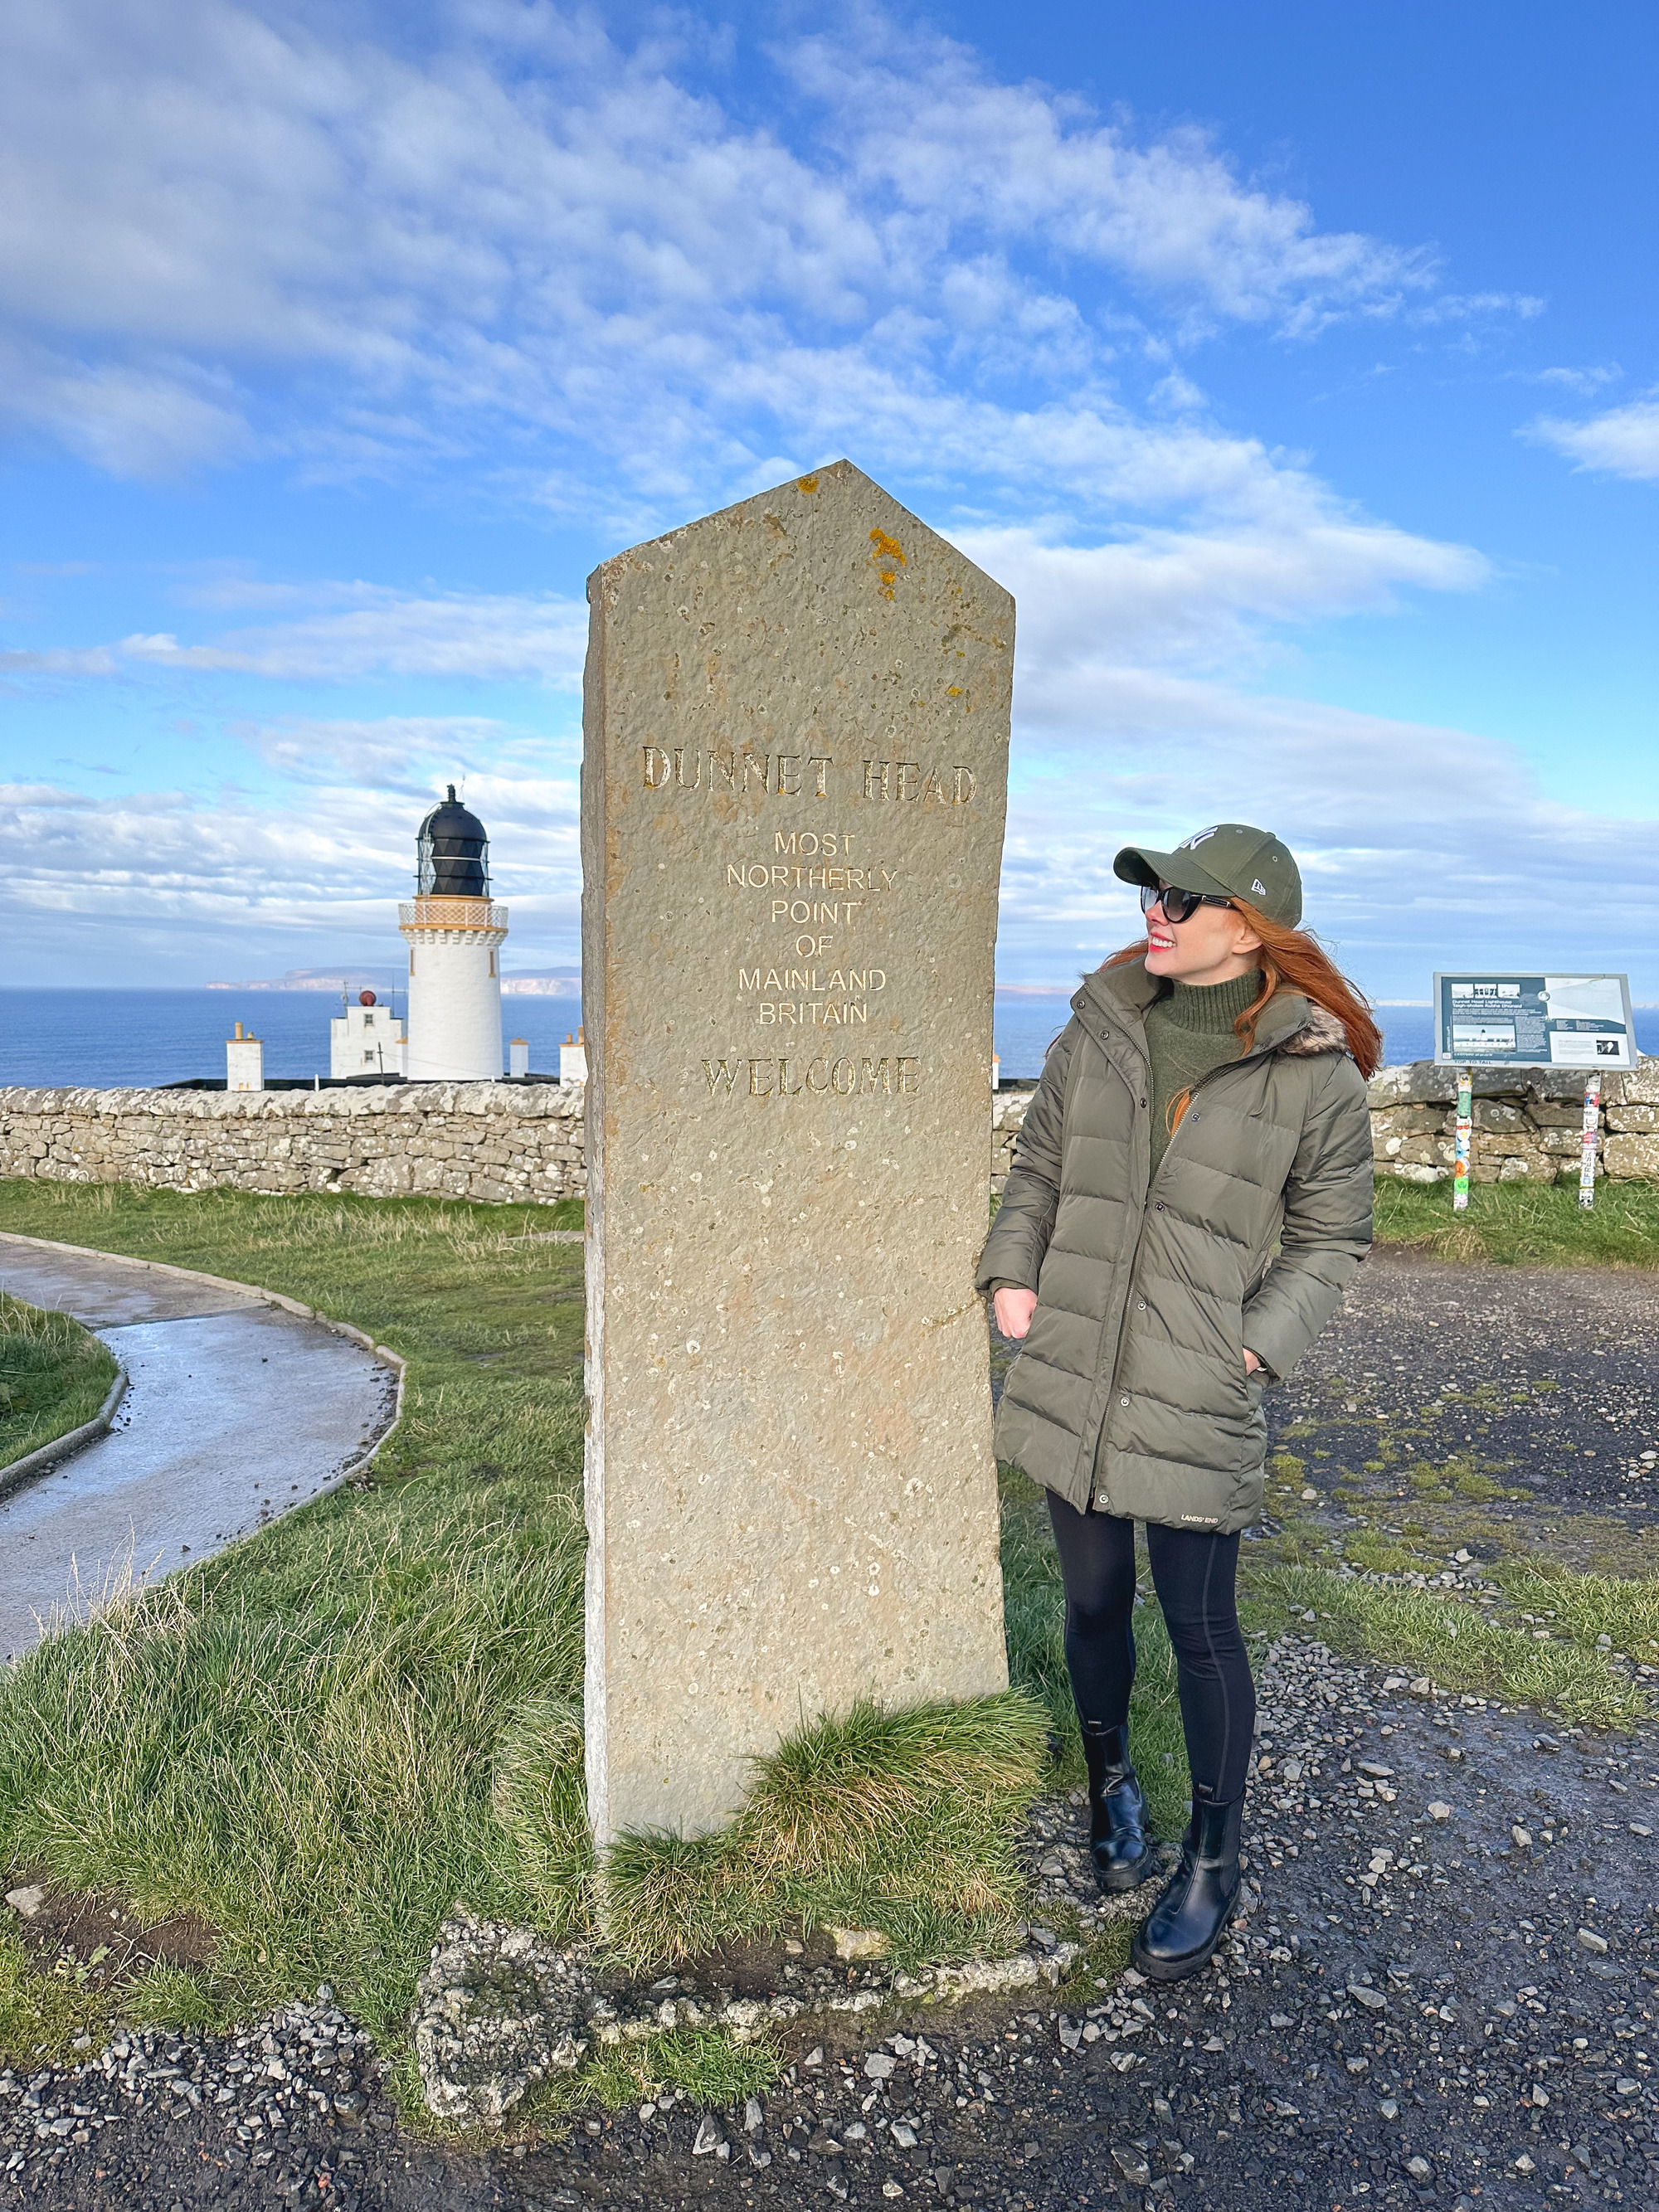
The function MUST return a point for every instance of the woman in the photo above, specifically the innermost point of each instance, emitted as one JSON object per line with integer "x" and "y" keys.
{"x": 1205, "y": 1104}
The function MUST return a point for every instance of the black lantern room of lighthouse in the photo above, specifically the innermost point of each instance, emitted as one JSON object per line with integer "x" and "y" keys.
{"x": 452, "y": 853}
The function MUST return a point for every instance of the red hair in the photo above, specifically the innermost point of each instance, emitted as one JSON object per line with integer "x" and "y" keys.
{"x": 1289, "y": 960}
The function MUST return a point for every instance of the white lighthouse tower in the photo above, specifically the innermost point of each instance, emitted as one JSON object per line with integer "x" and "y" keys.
{"x": 455, "y": 933}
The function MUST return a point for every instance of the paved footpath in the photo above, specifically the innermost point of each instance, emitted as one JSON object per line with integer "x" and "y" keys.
{"x": 236, "y": 1412}
{"x": 1422, "y": 2009}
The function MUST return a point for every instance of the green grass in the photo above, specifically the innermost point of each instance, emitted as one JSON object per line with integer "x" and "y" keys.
{"x": 54, "y": 1376}
{"x": 322, "y": 1739}
{"x": 713, "y": 2071}
{"x": 1461, "y": 1647}
{"x": 41, "y": 2014}
{"x": 1517, "y": 1224}
{"x": 1585, "y": 1607}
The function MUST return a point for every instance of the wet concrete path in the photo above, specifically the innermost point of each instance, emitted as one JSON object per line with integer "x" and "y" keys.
{"x": 236, "y": 1412}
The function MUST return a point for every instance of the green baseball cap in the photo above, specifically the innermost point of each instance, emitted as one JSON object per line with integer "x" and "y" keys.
{"x": 1229, "y": 861}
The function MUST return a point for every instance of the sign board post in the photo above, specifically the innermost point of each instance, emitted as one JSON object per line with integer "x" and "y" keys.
{"x": 1587, "y": 1151}
{"x": 1489, "y": 1019}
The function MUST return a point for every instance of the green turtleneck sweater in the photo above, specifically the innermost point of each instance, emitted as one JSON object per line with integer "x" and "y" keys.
{"x": 1189, "y": 1031}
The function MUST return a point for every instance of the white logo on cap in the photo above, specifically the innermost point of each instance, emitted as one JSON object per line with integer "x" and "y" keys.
{"x": 1261, "y": 887}
{"x": 1197, "y": 838}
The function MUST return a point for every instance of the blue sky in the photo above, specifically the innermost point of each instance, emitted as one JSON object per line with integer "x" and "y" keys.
{"x": 1296, "y": 366}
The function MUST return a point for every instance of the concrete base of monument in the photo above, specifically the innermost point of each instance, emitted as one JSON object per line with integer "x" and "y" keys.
{"x": 500, "y": 2010}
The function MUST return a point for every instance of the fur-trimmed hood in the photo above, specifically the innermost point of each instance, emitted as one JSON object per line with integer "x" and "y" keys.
{"x": 1320, "y": 1032}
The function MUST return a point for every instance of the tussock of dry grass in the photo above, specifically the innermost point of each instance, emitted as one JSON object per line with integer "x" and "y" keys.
{"x": 903, "y": 1821}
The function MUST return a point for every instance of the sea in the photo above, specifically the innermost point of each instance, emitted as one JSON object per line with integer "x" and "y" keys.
{"x": 106, "y": 1040}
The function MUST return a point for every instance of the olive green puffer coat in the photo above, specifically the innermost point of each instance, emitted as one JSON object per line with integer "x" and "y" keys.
{"x": 1130, "y": 1392}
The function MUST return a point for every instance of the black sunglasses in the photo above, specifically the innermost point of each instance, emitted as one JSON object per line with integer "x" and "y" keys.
{"x": 1177, "y": 905}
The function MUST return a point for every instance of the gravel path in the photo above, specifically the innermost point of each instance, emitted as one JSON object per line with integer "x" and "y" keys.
{"x": 1541, "y": 1375}
{"x": 1443, "y": 1994}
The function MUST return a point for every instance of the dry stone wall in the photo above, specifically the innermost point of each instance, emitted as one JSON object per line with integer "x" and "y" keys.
{"x": 1528, "y": 1124}
{"x": 1008, "y": 1119}
{"x": 495, "y": 1142}
{"x": 488, "y": 1141}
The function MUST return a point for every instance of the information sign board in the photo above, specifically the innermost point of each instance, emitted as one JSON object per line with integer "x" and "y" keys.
{"x": 1484, "y": 1018}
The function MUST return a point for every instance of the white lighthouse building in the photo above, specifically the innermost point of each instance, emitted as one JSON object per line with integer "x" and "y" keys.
{"x": 454, "y": 933}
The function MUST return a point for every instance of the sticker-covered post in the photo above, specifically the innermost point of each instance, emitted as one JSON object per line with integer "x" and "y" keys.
{"x": 1465, "y": 1127}
{"x": 1587, "y": 1148}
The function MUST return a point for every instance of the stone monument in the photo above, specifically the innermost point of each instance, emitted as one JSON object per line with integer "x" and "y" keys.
{"x": 793, "y": 782}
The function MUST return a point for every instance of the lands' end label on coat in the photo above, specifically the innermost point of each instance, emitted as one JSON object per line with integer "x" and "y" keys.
{"x": 1202, "y": 1520}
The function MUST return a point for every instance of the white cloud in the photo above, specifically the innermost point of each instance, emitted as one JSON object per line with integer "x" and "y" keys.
{"x": 1419, "y": 846}
{"x": 187, "y": 879}
{"x": 1193, "y": 599}
{"x": 500, "y": 638}
{"x": 1624, "y": 442}
{"x": 133, "y": 420}
{"x": 211, "y": 211}
{"x": 407, "y": 754}
{"x": 1576, "y": 379}
{"x": 929, "y": 131}
{"x": 513, "y": 243}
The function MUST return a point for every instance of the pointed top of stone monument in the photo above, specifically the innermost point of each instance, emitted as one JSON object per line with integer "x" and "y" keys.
{"x": 894, "y": 549}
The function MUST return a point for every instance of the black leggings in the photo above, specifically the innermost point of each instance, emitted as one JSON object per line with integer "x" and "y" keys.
{"x": 1193, "y": 1571}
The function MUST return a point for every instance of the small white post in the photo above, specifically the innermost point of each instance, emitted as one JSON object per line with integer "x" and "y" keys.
{"x": 518, "y": 1056}
{"x": 245, "y": 1062}
{"x": 1587, "y": 1151}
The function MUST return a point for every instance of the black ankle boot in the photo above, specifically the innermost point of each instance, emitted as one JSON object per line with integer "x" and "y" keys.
{"x": 1188, "y": 1920}
{"x": 1117, "y": 1811}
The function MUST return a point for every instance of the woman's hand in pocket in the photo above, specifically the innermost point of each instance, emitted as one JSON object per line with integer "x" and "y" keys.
{"x": 1013, "y": 1310}
{"x": 1252, "y": 1365}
